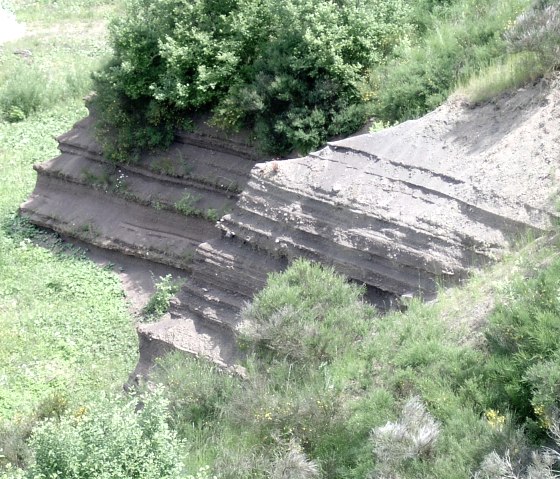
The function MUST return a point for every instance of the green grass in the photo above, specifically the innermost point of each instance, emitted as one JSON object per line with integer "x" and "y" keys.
{"x": 506, "y": 74}
{"x": 460, "y": 40}
{"x": 50, "y": 66}
{"x": 64, "y": 324}
{"x": 55, "y": 12}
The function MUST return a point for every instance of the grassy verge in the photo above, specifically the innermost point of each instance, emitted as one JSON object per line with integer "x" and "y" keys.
{"x": 64, "y": 325}
{"x": 59, "y": 12}
{"x": 51, "y": 65}
{"x": 506, "y": 74}
{"x": 456, "y": 40}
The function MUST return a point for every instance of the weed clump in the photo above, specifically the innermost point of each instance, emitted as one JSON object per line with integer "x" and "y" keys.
{"x": 159, "y": 303}
{"x": 294, "y": 464}
{"x": 109, "y": 440}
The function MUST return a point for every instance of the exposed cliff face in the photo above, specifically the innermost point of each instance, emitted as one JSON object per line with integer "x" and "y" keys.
{"x": 413, "y": 205}
{"x": 400, "y": 210}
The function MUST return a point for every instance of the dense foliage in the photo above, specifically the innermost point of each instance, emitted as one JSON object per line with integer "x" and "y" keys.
{"x": 524, "y": 371}
{"x": 295, "y": 72}
{"x": 110, "y": 440}
{"x": 291, "y": 70}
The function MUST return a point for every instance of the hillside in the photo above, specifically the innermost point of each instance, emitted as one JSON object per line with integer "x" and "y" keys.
{"x": 378, "y": 308}
{"x": 400, "y": 211}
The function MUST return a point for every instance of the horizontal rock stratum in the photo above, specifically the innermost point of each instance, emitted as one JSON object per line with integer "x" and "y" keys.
{"x": 401, "y": 210}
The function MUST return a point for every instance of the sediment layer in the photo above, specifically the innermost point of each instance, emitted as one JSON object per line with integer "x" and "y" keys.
{"x": 401, "y": 211}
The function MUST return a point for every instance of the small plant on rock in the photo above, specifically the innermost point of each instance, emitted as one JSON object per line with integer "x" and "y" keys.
{"x": 186, "y": 205}
{"x": 159, "y": 303}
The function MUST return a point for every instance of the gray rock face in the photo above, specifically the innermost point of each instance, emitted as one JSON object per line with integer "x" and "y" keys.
{"x": 401, "y": 211}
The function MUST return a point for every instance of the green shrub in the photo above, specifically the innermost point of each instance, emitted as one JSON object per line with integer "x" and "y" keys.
{"x": 523, "y": 343}
{"x": 308, "y": 314}
{"x": 111, "y": 440}
{"x": 23, "y": 92}
{"x": 544, "y": 380}
{"x": 15, "y": 434}
{"x": 274, "y": 406}
{"x": 538, "y": 30}
{"x": 290, "y": 70}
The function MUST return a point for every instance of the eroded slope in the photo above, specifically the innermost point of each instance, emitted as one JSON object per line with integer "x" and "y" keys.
{"x": 400, "y": 210}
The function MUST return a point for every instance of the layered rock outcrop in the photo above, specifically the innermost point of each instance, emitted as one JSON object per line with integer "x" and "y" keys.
{"x": 402, "y": 210}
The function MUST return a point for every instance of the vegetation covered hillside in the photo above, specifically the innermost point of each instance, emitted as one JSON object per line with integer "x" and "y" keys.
{"x": 298, "y": 72}
{"x": 464, "y": 387}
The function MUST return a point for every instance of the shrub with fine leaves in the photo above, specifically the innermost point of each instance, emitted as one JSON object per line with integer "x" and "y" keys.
{"x": 538, "y": 30}
{"x": 413, "y": 436}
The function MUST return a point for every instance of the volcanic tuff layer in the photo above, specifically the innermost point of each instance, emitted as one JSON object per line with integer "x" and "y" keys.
{"x": 399, "y": 210}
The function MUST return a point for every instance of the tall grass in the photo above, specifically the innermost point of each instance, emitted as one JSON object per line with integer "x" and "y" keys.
{"x": 52, "y": 12}
{"x": 26, "y": 88}
{"x": 506, "y": 74}
{"x": 31, "y": 82}
{"x": 459, "y": 39}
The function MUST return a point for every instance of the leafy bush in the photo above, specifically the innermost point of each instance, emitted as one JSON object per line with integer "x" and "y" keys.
{"x": 290, "y": 70}
{"x": 111, "y": 440}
